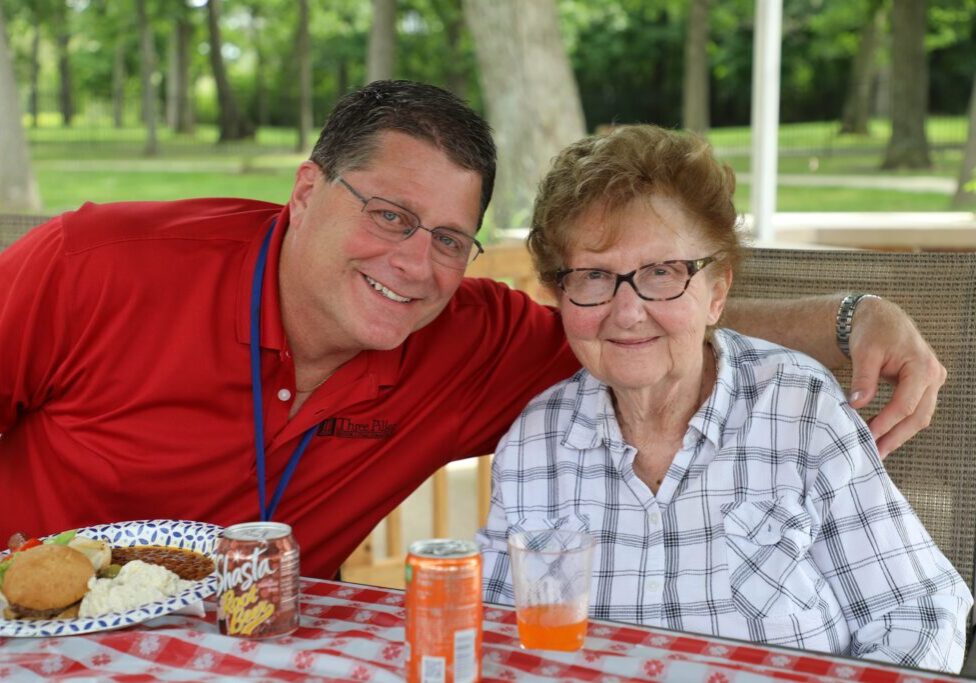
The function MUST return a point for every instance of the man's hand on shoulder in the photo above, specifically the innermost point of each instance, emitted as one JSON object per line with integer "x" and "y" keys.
{"x": 885, "y": 344}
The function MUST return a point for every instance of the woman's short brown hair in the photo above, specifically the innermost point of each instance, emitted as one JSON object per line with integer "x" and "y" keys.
{"x": 614, "y": 169}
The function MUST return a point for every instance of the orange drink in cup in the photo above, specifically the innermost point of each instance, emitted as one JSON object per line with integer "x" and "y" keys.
{"x": 551, "y": 575}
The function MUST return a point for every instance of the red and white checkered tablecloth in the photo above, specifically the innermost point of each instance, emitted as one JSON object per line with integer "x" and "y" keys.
{"x": 355, "y": 633}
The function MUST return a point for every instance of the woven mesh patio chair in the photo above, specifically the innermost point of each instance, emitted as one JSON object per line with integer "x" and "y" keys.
{"x": 13, "y": 225}
{"x": 936, "y": 470}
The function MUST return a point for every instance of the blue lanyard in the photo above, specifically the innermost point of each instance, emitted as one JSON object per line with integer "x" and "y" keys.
{"x": 256, "y": 283}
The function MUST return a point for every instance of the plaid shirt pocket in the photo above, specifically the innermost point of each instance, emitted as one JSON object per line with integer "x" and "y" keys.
{"x": 766, "y": 544}
{"x": 570, "y": 522}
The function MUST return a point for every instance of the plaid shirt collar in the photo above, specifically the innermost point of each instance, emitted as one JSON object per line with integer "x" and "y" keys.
{"x": 594, "y": 421}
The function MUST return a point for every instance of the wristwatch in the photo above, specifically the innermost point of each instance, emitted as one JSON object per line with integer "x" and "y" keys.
{"x": 845, "y": 318}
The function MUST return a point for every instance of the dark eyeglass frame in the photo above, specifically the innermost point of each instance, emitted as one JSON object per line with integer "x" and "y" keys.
{"x": 434, "y": 232}
{"x": 694, "y": 266}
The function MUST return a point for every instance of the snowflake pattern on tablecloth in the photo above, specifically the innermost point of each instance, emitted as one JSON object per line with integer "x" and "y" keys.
{"x": 844, "y": 672}
{"x": 391, "y": 600}
{"x": 620, "y": 647}
{"x": 245, "y": 646}
{"x": 312, "y": 611}
{"x": 601, "y": 631}
{"x": 550, "y": 670}
{"x": 592, "y": 656}
{"x": 53, "y": 665}
{"x": 718, "y": 650}
{"x": 362, "y": 616}
{"x": 659, "y": 641}
{"x": 508, "y": 675}
{"x": 510, "y": 631}
{"x": 101, "y": 659}
{"x": 360, "y": 673}
{"x": 781, "y": 661}
{"x": 345, "y": 593}
{"x": 718, "y": 677}
{"x": 149, "y": 645}
{"x": 303, "y": 660}
{"x": 392, "y": 652}
{"x": 653, "y": 667}
{"x": 494, "y": 656}
{"x": 495, "y": 615}
{"x": 204, "y": 660}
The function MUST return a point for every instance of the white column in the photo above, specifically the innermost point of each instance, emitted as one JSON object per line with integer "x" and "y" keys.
{"x": 765, "y": 114}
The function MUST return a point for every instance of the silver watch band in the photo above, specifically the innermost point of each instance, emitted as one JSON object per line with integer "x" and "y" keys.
{"x": 845, "y": 319}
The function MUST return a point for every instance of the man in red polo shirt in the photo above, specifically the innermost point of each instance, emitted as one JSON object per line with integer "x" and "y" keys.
{"x": 138, "y": 341}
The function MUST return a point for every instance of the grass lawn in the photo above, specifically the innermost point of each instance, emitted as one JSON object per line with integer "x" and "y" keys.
{"x": 103, "y": 165}
{"x": 847, "y": 199}
{"x": 63, "y": 190}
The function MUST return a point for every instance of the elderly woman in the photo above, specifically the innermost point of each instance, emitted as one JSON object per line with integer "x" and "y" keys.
{"x": 730, "y": 487}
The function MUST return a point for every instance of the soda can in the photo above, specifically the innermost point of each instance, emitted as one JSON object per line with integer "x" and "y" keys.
{"x": 257, "y": 590}
{"x": 443, "y": 626}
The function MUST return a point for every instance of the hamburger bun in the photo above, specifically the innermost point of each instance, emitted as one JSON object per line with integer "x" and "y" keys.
{"x": 45, "y": 578}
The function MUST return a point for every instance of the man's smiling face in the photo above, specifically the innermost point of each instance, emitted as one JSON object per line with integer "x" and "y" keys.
{"x": 351, "y": 290}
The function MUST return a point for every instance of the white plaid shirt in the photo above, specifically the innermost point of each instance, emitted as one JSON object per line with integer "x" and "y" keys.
{"x": 775, "y": 522}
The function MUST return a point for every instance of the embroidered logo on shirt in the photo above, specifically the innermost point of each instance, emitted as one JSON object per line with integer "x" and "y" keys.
{"x": 344, "y": 428}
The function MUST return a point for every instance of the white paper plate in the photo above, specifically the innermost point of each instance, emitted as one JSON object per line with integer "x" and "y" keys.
{"x": 198, "y": 536}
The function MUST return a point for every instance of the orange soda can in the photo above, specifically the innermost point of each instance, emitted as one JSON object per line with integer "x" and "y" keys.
{"x": 444, "y": 611}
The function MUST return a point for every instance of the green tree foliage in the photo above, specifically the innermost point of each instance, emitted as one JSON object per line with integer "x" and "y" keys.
{"x": 627, "y": 55}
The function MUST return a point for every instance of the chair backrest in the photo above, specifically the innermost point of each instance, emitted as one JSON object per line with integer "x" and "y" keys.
{"x": 936, "y": 470}
{"x": 13, "y": 225}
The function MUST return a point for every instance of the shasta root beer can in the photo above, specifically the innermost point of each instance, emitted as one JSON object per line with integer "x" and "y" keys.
{"x": 257, "y": 591}
{"x": 443, "y": 628}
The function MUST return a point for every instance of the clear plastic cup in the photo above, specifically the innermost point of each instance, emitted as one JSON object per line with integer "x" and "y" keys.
{"x": 551, "y": 571}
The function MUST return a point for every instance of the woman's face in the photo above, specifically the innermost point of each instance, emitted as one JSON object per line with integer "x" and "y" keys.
{"x": 630, "y": 343}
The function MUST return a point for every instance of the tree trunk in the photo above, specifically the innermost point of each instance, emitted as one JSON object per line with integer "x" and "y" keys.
{"x": 35, "y": 70}
{"x": 184, "y": 103}
{"x": 232, "y": 124}
{"x": 178, "y": 101}
{"x": 172, "y": 78}
{"x": 62, "y": 39}
{"x": 382, "y": 41}
{"x": 147, "y": 66}
{"x": 18, "y": 191}
{"x": 304, "y": 78}
{"x": 449, "y": 12}
{"x": 965, "y": 196}
{"x": 118, "y": 81}
{"x": 695, "y": 100}
{"x": 261, "y": 104}
{"x": 857, "y": 103}
{"x": 908, "y": 146}
{"x": 531, "y": 96}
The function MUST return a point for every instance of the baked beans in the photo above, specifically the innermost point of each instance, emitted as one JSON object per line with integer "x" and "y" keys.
{"x": 187, "y": 564}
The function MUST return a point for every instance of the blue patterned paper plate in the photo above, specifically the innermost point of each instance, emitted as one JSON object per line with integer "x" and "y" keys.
{"x": 198, "y": 536}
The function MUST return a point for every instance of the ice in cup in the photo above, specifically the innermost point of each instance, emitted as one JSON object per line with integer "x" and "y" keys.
{"x": 551, "y": 571}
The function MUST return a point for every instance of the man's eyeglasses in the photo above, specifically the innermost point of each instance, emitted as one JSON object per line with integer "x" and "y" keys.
{"x": 392, "y": 222}
{"x": 662, "y": 281}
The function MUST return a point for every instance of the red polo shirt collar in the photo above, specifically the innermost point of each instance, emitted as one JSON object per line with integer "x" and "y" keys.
{"x": 379, "y": 368}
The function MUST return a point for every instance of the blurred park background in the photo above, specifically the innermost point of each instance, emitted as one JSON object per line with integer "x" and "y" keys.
{"x": 162, "y": 99}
